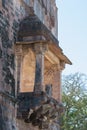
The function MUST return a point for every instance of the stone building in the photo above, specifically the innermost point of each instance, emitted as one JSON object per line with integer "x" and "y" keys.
{"x": 31, "y": 62}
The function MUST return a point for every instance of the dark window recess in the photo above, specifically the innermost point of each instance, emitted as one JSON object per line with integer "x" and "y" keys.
{"x": 4, "y": 3}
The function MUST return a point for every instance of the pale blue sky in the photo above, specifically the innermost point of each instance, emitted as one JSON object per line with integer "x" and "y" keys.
{"x": 72, "y": 33}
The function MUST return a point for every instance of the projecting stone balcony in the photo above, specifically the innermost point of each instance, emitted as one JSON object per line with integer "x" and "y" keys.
{"x": 39, "y": 62}
{"x": 39, "y": 110}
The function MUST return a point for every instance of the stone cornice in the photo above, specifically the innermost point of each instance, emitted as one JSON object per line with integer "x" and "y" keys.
{"x": 32, "y": 26}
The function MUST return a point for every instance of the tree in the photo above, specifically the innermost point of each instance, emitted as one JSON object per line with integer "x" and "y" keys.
{"x": 75, "y": 102}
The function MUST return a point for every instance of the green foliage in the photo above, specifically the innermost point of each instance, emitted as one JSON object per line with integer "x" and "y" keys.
{"x": 75, "y": 102}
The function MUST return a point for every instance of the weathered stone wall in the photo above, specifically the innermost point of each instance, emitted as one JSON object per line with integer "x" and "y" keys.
{"x": 11, "y": 13}
{"x": 7, "y": 114}
{"x": 46, "y": 10}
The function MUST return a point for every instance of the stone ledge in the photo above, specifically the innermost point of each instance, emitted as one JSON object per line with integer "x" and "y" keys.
{"x": 39, "y": 110}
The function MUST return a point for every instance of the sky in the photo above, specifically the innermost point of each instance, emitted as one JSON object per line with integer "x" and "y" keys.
{"x": 72, "y": 33}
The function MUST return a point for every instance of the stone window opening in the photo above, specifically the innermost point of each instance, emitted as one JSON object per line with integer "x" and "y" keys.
{"x": 35, "y": 70}
{"x": 25, "y": 69}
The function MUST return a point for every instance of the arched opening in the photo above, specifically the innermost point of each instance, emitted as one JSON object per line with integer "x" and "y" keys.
{"x": 28, "y": 72}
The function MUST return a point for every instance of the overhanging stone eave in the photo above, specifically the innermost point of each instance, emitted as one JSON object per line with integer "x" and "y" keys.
{"x": 59, "y": 53}
{"x": 33, "y": 27}
{"x": 29, "y": 42}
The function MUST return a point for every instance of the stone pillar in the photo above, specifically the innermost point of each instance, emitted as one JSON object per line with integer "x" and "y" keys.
{"x": 40, "y": 49}
{"x": 18, "y": 62}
